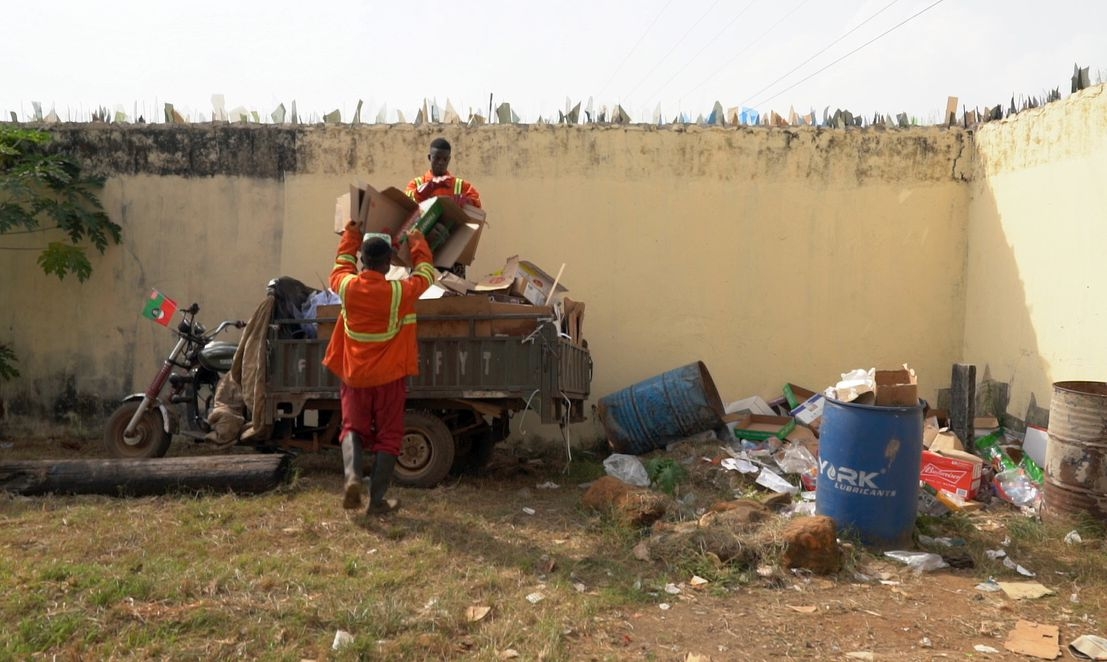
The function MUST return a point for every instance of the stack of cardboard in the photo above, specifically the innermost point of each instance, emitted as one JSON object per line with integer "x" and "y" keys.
{"x": 520, "y": 290}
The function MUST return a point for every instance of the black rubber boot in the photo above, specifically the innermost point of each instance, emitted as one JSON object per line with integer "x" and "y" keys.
{"x": 383, "y": 466}
{"x": 352, "y": 463}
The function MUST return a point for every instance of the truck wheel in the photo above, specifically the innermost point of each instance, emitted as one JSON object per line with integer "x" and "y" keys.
{"x": 427, "y": 452}
{"x": 150, "y": 438}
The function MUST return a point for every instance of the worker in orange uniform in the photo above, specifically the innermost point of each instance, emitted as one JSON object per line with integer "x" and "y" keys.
{"x": 373, "y": 351}
{"x": 438, "y": 181}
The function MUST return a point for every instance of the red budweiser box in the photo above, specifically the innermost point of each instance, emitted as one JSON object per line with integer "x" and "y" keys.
{"x": 952, "y": 471}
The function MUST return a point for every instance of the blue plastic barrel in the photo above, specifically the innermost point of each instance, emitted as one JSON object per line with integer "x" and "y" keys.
{"x": 869, "y": 463}
{"x": 660, "y": 410}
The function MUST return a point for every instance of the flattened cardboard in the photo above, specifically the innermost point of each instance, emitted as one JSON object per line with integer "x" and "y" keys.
{"x": 523, "y": 279}
{"x": 1034, "y": 639}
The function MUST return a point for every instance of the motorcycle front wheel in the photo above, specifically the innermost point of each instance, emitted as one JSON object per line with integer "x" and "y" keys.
{"x": 149, "y": 440}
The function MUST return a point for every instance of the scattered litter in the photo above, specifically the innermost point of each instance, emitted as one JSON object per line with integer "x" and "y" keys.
{"x": 342, "y": 638}
{"x": 861, "y": 655}
{"x": 698, "y": 581}
{"x": 994, "y": 554}
{"x": 535, "y": 598}
{"x": 1011, "y": 565}
{"x": 804, "y": 609}
{"x": 889, "y": 582}
{"x": 1073, "y": 538}
{"x": 509, "y": 654}
{"x": 548, "y": 485}
{"x": 664, "y": 606}
{"x": 476, "y": 613}
{"x": 641, "y": 551}
{"x": 1024, "y": 590}
{"x": 768, "y": 478}
{"x": 803, "y": 508}
{"x": 741, "y": 465}
{"x": 765, "y": 571}
{"x": 579, "y": 587}
{"x": 1089, "y": 647}
{"x": 6, "y": 445}
{"x": 990, "y": 586}
{"x": 672, "y": 589}
{"x": 1033, "y": 639}
{"x": 918, "y": 561}
{"x": 627, "y": 468}
{"x": 981, "y": 648}
{"x": 529, "y": 511}
{"x": 925, "y": 642}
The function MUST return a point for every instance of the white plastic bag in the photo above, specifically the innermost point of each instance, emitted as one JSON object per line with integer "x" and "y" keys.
{"x": 627, "y": 468}
{"x": 920, "y": 562}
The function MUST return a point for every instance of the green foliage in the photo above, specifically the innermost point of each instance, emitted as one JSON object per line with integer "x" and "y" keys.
{"x": 666, "y": 473}
{"x": 7, "y": 361}
{"x": 41, "y": 190}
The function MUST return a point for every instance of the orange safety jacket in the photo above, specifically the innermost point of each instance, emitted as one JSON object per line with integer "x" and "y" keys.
{"x": 374, "y": 340}
{"x": 455, "y": 187}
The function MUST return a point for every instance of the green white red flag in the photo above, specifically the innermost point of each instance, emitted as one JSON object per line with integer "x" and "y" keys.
{"x": 159, "y": 308}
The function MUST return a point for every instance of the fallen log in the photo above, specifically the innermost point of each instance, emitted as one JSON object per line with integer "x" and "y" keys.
{"x": 242, "y": 474}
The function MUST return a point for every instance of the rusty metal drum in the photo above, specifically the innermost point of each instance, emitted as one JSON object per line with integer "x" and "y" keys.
{"x": 1076, "y": 455}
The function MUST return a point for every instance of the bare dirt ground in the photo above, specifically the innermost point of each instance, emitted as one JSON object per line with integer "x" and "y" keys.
{"x": 500, "y": 539}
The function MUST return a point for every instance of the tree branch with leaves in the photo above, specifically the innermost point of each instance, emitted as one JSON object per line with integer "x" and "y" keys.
{"x": 42, "y": 190}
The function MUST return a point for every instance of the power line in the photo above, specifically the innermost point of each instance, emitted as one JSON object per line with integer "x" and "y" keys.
{"x": 882, "y": 34}
{"x": 824, "y": 49}
{"x": 669, "y": 52}
{"x": 748, "y": 46}
{"x": 700, "y": 52}
{"x": 636, "y": 45}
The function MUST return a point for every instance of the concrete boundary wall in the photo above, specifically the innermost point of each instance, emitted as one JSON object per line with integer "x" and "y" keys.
{"x": 1036, "y": 300}
{"x": 774, "y": 255}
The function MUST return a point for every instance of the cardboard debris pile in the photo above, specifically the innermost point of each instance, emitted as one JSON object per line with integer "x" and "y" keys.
{"x": 513, "y": 300}
{"x": 776, "y": 443}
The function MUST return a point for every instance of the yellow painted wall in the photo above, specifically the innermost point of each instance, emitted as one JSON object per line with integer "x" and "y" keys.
{"x": 1036, "y": 304}
{"x": 773, "y": 255}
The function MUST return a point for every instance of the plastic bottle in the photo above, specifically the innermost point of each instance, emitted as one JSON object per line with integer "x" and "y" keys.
{"x": 1032, "y": 469}
{"x": 988, "y": 447}
{"x": 1015, "y": 486}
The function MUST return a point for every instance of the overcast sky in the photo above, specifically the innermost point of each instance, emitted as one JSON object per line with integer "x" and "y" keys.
{"x": 75, "y": 56}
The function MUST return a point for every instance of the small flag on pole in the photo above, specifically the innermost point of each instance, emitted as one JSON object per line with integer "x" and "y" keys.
{"x": 159, "y": 308}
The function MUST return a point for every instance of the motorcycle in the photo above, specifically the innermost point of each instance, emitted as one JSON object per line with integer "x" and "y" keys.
{"x": 145, "y": 423}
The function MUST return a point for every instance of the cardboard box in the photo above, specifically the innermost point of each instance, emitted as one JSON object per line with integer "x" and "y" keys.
{"x": 523, "y": 279}
{"x": 810, "y": 410}
{"x": 796, "y": 395}
{"x": 896, "y": 388}
{"x": 759, "y": 427}
{"x": 387, "y": 211}
{"x": 494, "y": 318}
{"x": 958, "y": 473}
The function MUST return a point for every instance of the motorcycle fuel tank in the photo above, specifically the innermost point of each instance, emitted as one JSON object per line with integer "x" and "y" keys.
{"x": 218, "y": 355}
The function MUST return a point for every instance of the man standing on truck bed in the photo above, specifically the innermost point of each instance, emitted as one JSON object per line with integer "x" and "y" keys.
{"x": 438, "y": 181}
{"x": 373, "y": 350}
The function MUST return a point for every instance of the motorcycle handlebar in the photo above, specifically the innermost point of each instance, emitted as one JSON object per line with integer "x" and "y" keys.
{"x": 238, "y": 324}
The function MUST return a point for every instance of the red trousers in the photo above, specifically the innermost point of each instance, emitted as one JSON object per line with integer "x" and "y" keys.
{"x": 376, "y": 413}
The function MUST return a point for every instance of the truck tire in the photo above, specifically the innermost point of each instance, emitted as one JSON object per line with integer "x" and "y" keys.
{"x": 150, "y": 438}
{"x": 427, "y": 452}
